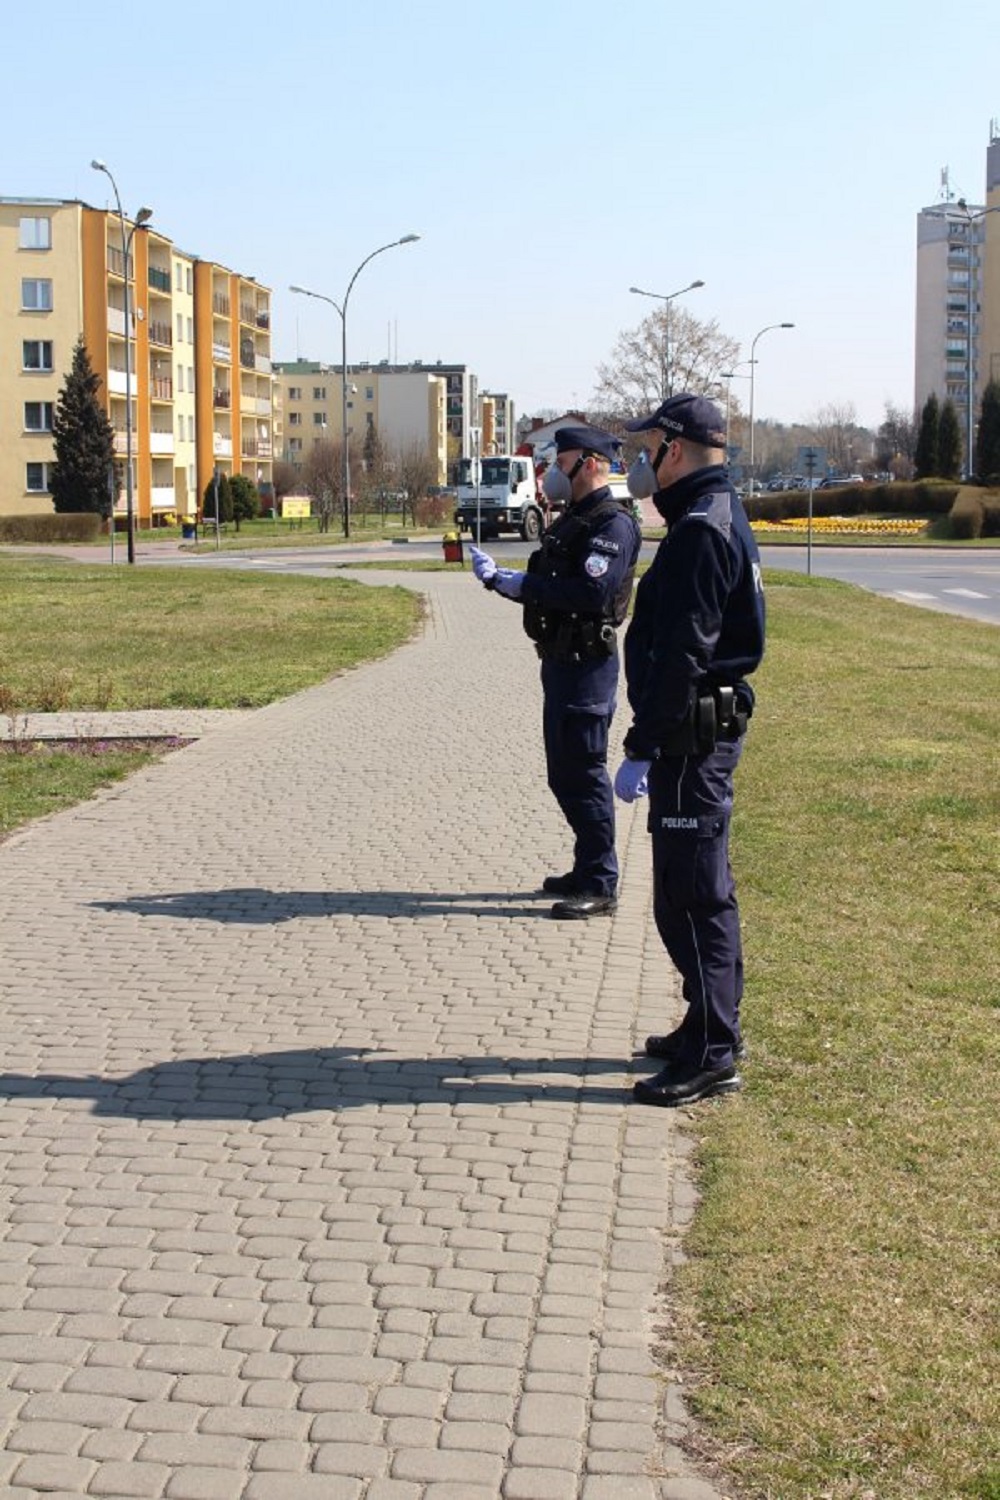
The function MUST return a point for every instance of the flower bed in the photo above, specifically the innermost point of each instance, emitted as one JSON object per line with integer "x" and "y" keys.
{"x": 846, "y": 525}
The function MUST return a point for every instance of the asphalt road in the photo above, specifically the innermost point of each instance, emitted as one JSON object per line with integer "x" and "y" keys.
{"x": 959, "y": 582}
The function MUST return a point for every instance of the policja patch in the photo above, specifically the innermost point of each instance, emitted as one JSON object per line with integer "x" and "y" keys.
{"x": 596, "y": 566}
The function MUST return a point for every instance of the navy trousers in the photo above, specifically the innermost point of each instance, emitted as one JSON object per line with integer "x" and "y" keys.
{"x": 694, "y": 901}
{"x": 579, "y": 704}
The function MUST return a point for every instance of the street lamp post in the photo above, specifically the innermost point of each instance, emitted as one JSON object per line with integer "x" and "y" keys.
{"x": 972, "y": 217}
{"x": 142, "y": 217}
{"x": 341, "y": 310}
{"x": 660, "y": 297}
{"x": 753, "y": 362}
{"x": 729, "y": 376}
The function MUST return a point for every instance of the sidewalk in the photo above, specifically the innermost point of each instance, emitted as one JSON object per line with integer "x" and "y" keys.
{"x": 322, "y": 1176}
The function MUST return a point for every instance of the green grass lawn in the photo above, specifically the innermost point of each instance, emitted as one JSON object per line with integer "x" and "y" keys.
{"x": 843, "y": 1287}
{"x": 95, "y": 638}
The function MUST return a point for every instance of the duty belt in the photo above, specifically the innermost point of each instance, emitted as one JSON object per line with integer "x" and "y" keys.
{"x": 575, "y": 640}
{"x": 712, "y": 717}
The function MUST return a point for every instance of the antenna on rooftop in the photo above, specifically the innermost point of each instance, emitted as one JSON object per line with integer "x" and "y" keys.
{"x": 946, "y": 194}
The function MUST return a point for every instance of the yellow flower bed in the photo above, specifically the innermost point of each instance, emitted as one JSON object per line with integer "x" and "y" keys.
{"x": 845, "y": 525}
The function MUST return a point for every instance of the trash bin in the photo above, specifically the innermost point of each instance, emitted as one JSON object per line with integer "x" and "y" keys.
{"x": 451, "y": 544}
{"x": 189, "y": 531}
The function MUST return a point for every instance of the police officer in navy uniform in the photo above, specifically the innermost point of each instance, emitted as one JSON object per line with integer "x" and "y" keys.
{"x": 696, "y": 634}
{"x": 575, "y": 593}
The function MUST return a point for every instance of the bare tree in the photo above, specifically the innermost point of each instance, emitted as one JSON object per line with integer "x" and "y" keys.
{"x": 284, "y": 477}
{"x": 321, "y": 476}
{"x": 836, "y": 428}
{"x": 897, "y": 442}
{"x": 417, "y": 472}
{"x": 670, "y": 351}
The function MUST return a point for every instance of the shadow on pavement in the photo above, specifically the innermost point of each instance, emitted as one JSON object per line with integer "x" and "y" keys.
{"x": 252, "y": 905}
{"x": 270, "y": 1085}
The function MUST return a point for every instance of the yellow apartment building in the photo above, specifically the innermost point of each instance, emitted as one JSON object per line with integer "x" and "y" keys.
{"x": 199, "y": 352}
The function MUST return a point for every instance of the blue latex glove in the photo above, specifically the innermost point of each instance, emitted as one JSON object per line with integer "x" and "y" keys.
{"x": 630, "y": 781}
{"x": 482, "y": 564}
{"x": 508, "y": 582}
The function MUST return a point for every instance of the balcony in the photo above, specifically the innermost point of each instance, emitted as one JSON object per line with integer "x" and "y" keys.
{"x": 222, "y": 354}
{"x": 116, "y": 382}
{"x": 160, "y": 333}
{"x": 263, "y": 319}
{"x": 161, "y": 388}
{"x": 220, "y": 305}
{"x": 163, "y": 497}
{"x": 222, "y": 446}
{"x": 262, "y": 407}
{"x": 262, "y": 364}
{"x": 222, "y": 400}
{"x": 159, "y": 281}
{"x": 161, "y": 443}
{"x": 116, "y": 321}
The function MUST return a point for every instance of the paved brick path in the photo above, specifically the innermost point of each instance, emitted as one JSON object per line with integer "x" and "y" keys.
{"x": 320, "y": 1174}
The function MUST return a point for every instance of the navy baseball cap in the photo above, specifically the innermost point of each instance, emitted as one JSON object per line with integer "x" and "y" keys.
{"x": 590, "y": 439}
{"x": 692, "y": 417}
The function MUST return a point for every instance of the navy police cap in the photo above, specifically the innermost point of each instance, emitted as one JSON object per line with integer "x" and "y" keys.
{"x": 692, "y": 417}
{"x": 591, "y": 439}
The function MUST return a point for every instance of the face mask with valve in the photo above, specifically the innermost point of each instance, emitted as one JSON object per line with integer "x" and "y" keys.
{"x": 557, "y": 486}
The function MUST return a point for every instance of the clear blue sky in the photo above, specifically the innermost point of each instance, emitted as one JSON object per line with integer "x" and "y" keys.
{"x": 549, "y": 155}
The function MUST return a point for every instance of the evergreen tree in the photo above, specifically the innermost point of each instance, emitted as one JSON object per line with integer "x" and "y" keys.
{"x": 926, "y": 456}
{"x": 80, "y": 479}
{"x": 225, "y": 500}
{"x": 988, "y": 444}
{"x": 244, "y": 497}
{"x": 949, "y": 462}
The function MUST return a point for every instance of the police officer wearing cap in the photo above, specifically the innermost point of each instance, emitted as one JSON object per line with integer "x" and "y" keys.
{"x": 696, "y": 634}
{"x": 575, "y": 593}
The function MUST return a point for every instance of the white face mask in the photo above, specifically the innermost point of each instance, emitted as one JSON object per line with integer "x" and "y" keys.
{"x": 641, "y": 479}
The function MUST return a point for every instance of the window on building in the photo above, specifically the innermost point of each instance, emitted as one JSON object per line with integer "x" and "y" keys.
{"x": 37, "y": 354}
{"x": 38, "y": 416}
{"x": 188, "y": 280}
{"x": 190, "y": 328}
{"x": 369, "y": 393}
{"x": 190, "y": 429}
{"x": 295, "y": 393}
{"x": 180, "y": 377}
{"x": 180, "y": 277}
{"x": 36, "y": 478}
{"x": 295, "y": 419}
{"x": 319, "y": 392}
{"x": 295, "y": 445}
{"x": 319, "y": 420}
{"x": 36, "y": 296}
{"x": 370, "y": 418}
{"x": 180, "y": 429}
{"x": 35, "y": 234}
{"x": 180, "y": 327}
{"x": 190, "y": 377}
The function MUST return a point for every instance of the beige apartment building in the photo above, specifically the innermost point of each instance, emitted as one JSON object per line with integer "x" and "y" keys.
{"x": 196, "y": 360}
{"x": 408, "y": 409}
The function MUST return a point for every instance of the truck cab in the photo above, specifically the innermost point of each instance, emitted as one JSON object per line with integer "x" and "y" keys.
{"x": 506, "y": 497}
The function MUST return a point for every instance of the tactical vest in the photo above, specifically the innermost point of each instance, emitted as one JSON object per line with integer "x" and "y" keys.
{"x": 571, "y": 635}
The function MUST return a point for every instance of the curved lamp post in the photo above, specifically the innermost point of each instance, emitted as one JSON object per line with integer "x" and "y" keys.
{"x": 142, "y": 217}
{"x": 752, "y": 362}
{"x": 729, "y": 376}
{"x": 341, "y": 310}
{"x": 668, "y": 298}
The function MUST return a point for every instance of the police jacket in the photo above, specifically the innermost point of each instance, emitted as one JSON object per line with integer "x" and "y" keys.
{"x": 584, "y": 568}
{"x": 698, "y": 620}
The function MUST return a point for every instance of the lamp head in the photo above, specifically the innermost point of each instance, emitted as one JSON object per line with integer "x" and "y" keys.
{"x": 787, "y": 325}
{"x": 694, "y": 284}
{"x": 638, "y": 290}
{"x": 408, "y": 239}
{"x": 299, "y": 289}
{"x": 98, "y": 165}
{"x": 143, "y": 217}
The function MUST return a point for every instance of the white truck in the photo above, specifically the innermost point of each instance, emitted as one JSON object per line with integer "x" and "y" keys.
{"x": 508, "y": 496}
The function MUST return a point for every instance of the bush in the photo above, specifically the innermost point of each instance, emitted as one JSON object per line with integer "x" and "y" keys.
{"x": 928, "y": 497}
{"x": 967, "y": 516}
{"x": 71, "y": 526}
{"x": 991, "y": 514}
{"x": 434, "y": 510}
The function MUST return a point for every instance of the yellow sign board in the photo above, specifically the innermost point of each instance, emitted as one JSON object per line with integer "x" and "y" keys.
{"x": 293, "y": 507}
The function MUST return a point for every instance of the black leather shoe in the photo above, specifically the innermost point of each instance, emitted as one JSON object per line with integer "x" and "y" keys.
{"x": 561, "y": 885}
{"x": 670, "y": 1047}
{"x": 580, "y": 908}
{"x": 677, "y": 1085}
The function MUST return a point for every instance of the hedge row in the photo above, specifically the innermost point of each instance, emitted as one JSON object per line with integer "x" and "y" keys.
{"x": 927, "y": 497}
{"x": 82, "y": 527}
{"x": 974, "y": 515}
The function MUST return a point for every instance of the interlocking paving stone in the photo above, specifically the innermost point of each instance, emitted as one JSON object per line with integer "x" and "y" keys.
{"x": 323, "y": 1173}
